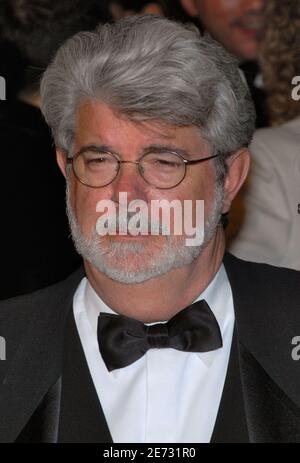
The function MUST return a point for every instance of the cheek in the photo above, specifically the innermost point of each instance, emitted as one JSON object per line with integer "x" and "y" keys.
{"x": 229, "y": 7}
{"x": 200, "y": 181}
{"x": 84, "y": 201}
{"x": 199, "y": 184}
{"x": 220, "y": 8}
{"x": 205, "y": 188}
{"x": 218, "y": 17}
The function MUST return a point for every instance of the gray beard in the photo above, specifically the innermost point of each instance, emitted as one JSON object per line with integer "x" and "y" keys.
{"x": 137, "y": 262}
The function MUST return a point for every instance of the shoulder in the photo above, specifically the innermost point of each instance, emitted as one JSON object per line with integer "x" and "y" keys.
{"x": 37, "y": 308}
{"x": 282, "y": 140}
{"x": 264, "y": 278}
{"x": 267, "y": 297}
{"x": 267, "y": 308}
{"x": 256, "y": 269}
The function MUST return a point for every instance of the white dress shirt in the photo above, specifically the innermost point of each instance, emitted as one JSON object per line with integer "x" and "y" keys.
{"x": 166, "y": 396}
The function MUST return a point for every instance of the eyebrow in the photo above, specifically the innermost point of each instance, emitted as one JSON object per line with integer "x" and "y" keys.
{"x": 156, "y": 148}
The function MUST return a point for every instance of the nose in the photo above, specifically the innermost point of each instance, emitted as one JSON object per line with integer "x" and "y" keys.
{"x": 130, "y": 181}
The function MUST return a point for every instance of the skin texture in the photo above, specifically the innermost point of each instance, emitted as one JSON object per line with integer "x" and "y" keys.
{"x": 236, "y": 24}
{"x": 98, "y": 124}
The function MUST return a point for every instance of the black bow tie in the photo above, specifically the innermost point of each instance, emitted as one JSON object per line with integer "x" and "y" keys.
{"x": 123, "y": 340}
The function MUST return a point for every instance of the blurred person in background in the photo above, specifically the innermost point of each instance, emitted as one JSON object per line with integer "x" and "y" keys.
{"x": 271, "y": 229}
{"x": 169, "y": 8}
{"x": 121, "y": 8}
{"x": 36, "y": 246}
{"x": 238, "y": 25}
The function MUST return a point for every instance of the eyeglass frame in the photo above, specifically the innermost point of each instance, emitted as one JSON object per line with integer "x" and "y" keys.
{"x": 187, "y": 162}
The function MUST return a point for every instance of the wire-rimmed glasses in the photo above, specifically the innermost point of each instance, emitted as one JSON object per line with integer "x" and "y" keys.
{"x": 96, "y": 168}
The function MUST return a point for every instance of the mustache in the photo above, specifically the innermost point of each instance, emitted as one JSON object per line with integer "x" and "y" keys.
{"x": 249, "y": 17}
{"x": 121, "y": 221}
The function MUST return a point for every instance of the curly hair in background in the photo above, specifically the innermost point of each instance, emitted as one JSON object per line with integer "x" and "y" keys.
{"x": 280, "y": 58}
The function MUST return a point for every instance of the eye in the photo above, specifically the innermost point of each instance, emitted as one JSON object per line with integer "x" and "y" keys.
{"x": 93, "y": 160}
{"x": 96, "y": 158}
{"x": 163, "y": 161}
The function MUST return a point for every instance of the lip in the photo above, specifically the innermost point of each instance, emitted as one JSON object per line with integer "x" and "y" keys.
{"x": 250, "y": 25}
{"x": 254, "y": 25}
{"x": 255, "y": 33}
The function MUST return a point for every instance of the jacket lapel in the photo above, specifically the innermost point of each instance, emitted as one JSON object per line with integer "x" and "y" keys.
{"x": 231, "y": 424}
{"x": 270, "y": 378}
{"x": 30, "y": 383}
{"x": 43, "y": 425}
{"x": 271, "y": 415}
{"x": 81, "y": 418}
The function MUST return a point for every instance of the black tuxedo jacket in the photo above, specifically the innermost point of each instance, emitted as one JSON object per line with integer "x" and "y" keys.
{"x": 267, "y": 308}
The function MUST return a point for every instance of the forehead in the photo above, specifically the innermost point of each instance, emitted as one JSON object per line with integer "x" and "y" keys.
{"x": 98, "y": 123}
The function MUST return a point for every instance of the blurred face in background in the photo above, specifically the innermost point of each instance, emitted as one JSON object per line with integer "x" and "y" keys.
{"x": 118, "y": 11}
{"x": 236, "y": 24}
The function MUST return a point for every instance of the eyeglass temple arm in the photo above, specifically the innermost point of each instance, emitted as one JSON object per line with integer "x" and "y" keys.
{"x": 195, "y": 161}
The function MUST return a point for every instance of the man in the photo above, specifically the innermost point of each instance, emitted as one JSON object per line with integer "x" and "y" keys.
{"x": 154, "y": 340}
{"x": 238, "y": 25}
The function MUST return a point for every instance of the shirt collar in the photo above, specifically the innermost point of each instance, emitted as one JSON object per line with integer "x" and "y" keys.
{"x": 217, "y": 294}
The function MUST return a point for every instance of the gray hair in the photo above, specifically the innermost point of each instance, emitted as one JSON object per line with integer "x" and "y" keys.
{"x": 150, "y": 68}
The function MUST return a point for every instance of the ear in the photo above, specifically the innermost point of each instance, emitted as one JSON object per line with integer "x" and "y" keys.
{"x": 238, "y": 167}
{"x": 190, "y": 6}
{"x": 61, "y": 159}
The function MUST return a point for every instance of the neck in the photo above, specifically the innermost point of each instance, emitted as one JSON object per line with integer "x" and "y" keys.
{"x": 161, "y": 298}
